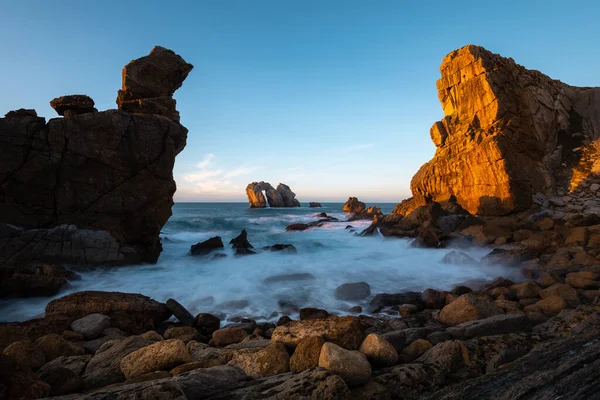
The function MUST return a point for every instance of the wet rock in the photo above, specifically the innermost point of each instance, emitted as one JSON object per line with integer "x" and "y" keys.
{"x": 56, "y": 271}
{"x": 385, "y": 300}
{"x": 272, "y": 360}
{"x": 26, "y": 353}
{"x": 313, "y": 313}
{"x": 306, "y": 355}
{"x": 525, "y": 290}
{"x": 159, "y": 356}
{"x": 438, "y": 337}
{"x": 495, "y": 325}
{"x": 241, "y": 241}
{"x": 183, "y": 333}
{"x": 344, "y": 331}
{"x": 297, "y": 227}
{"x": 352, "y": 366}
{"x": 283, "y": 320}
{"x": 288, "y": 248}
{"x": 396, "y": 338}
{"x": 458, "y": 258}
{"x": 207, "y": 323}
{"x": 414, "y": 350}
{"x": 563, "y": 291}
{"x": 314, "y": 204}
{"x": 91, "y": 326}
{"x": 355, "y": 309}
{"x": 73, "y": 105}
{"x": 207, "y": 246}
{"x": 54, "y": 346}
{"x": 379, "y": 351}
{"x": 549, "y": 306}
{"x": 181, "y": 313}
{"x": 435, "y": 299}
{"x": 226, "y": 336}
{"x": 24, "y": 283}
{"x": 468, "y": 307}
{"x": 288, "y": 278}
{"x": 353, "y": 291}
{"x": 244, "y": 252}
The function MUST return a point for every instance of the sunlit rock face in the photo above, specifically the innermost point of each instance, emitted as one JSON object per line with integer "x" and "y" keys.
{"x": 93, "y": 187}
{"x": 507, "y": 134}
{"x": 280, "y": 197}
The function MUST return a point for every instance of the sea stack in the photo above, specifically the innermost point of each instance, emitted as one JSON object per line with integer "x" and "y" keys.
{"x": 93, "y": 187}
{"x": 508, "y": 134}
{"x": 280, "y": 197}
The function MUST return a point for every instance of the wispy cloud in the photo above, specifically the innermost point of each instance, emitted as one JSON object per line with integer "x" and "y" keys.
{"x": 358, "y": 147}
{"x": 209, "y": 179}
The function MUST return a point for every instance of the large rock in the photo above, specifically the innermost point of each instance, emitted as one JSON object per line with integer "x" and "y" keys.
{"x": 379, "y": 351}
{"x": 468, "y": 307}
{"x": 306, "y": 355}
{"x": 280, "y": 197}
{"x": 353, "y": 291}
{"x": 344, "y": 331}
{"x": 351, "y": 365}
{"x": 496, "y": 325}
{"x": 54, "y": 346}
{"x": 91, "y": 326}
{"x": 160, "y": 356}
{"x": 272, "y": 360}
{"x": 516, "y": 131}
{"x": 94, "y": 188}
{"x": 26, "y": 353}
{"x": 207, "y": 246}
{"x": 73, "y": 105}
{"x": 133, "y": 313}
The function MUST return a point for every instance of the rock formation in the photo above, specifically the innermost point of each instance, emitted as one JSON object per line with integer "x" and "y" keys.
{"x": 359, "y": 210}
{"x": 507, "y": 134}
{"x": 93, "y": 187}
{"x": 280, "y": 197}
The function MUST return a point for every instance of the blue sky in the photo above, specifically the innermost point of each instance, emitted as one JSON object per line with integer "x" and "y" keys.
{"x": 334, "y": 98}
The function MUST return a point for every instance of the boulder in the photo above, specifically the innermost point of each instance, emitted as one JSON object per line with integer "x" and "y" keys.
{"x": 306, "y": 355}
{"x": 313, "y": 313}
{"x": 203, "y": 248}
{"x": 159, "y": 356}
{"x": 525, "y": 290}
{"x": 76, "y": 364}
{"x": 280, "y": 197}
{"x": 91, "y": 326}
{"x": 18, "y": 382}
{"x": 385, "y": 300}
{"x": 132, "y": 313}
{"x": 353, "y": 291}
{"x": 241, "y": 241}
{"x": 62, "y": 380}
{"x": 226, "y": 336}
{"x": 207, "y": 323}
{"x": 468, "y": 307}
{"x": 288, "y": 248}
{"x": 434, "y": 299}
{"x": 74, "y": 104}
{"x": 352, "y": 366}
{"x": 26, "y": 353}
{"x": 181, "y": 313}
{"x": 550, "y": 306}
{"x": 583, "y": 280}
{"x": 379, "y": 351}
{"x": 496, "y": 325}
{"x": 563, "y": 291}
{"x": 92, "y": 346}
{"x": 54, "y": 346}
{"x": 458, "y": 258}
{"x": 24, "y": 283}
{"x": 272, "y": 360}
{"x": 183, "y": 333}
{"x": 343, "y": 331}
{"x": 414, "y": 350}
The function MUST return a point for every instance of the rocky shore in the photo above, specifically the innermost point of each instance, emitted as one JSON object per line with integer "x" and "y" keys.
{"x": 516, "y": 170}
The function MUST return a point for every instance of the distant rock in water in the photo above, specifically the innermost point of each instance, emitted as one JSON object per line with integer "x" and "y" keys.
{"x": 207, "y": 246}
{"x": 280, "y": 197}
{"x": 241, "y": 241}
{"x": 359, "y": 210}
{"x": 516, "y": 131}
{"x": 93, "y": 187}
{"x": 314, "y": 204}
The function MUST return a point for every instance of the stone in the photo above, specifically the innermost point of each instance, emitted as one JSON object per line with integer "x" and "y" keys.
{"x": 594, "y": 187}
{"x": 525, "y": 290}
{"x": 241, "y": 241}
{"x": 344, "y": 331}
{"x": 458, "y": 258}
{"x": 353, "y": 291}
{"x": 379, "y": 351}
{"x": 306, "y": 354}
{"x": 313, "y": 313}
{"x": 54, "y": 346}
{"x": 24, "y": 283}
{"x": 159, "y": 356}
{"x": 74, "y": 104}
{"x": 26, "y": 353}
{"x": 287, "y": 248}
{"x": 283, "y": 320}
{"x": 550, "y": 306}
{"x": 578, "y": 236}
{"x": 207, "y": 323}
{"x": 105, "y": 366}
{"x": 414, "y": 350}
{"x": 132, "y": 313}
{"x": 272, "y": 360}
{"x": 76, "y": 364}
{"x": 91, "y": 326}
{"x": 434, "y": 299}
{"x": 382, "y": 300}
{"x": 468, "y": 307}
{"x": 548, "y": 279}
{"x": 563, "y": 291}
{"x": 280, "y": 197}
{"x": 180, "y": 312}
{"x": 207, "y": 246}
{"x": 496, "y": 325}
{"x": 583, "y": 280}
{"x": 352, "y": 366}
{"x": 354, "y": 206}
{"x": 183, "y": 333}
{"x": 19, "y": 382}
{"x": 313, "y": 204}
{"x": 62, "y": 381}
{"x": 91, "y": 346}
{"x": 226, "y": 336}
{"x": 152, "y": 336}
{"x": 56, "y": 271}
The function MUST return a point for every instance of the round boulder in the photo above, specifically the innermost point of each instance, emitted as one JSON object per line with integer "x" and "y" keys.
{"x": 353, "y": 291}
{"x": 159, "y": 356}
{"x": 468, "y": 307}
{"x": 378, "y": 351}
{"x": 91, "y": 326}
{"x": 351, "y": 365}
{"x": 26, "y": 353}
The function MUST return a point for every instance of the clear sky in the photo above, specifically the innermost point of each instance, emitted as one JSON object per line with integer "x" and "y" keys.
{"x": 332, "y": 97}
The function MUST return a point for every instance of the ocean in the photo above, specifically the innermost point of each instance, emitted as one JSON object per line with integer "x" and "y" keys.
{"x": 264, "y": 285}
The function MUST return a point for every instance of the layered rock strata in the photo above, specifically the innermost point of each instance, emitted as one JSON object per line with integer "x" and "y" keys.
{"x": 507, "y": 134}
{"x": 96, "y": 187}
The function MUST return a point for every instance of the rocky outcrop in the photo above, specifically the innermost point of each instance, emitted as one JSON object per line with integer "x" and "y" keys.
{"x": 280, "y": 197}
{"x": 507, "y": 134}
{"x": 358, "y": 210}
{"x": 93, "y": 187}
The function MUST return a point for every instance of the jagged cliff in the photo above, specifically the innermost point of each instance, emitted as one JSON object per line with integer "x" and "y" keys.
{"x": 507, "y": 134}
{"x": 280, "y": 197}
{"x": 93, "y": 187}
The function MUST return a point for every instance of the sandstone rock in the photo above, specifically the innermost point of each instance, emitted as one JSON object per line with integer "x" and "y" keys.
{"x": 414, "y": 350}
{"x": 354, "y": 206}
{"x": 379, "y": 351}
{"x": 313, "y": 313}
{"x": 225, "y": 336}
{"x": 180, "y": 312}
{"x": 525, "y": 290}
{"x": 352, "y": 366}
{"x": 73, "y": 105}
{"x": 105, "y": 366}
{"x": 468, "y": 307}
{"x": 435, "y": 299}
{"x": 272, "y": 360}
{"x": 133, "y": 313}
{"x": 26, "y": 353}
{"x": 159, "y": 356}
{"x": 343, "y": 331}
{"x": 578, "y": 236}
{"x": 54, "y": 346}
{"x": 280, "y": 197}
{"x": 583, "y": 280}
{"x": 207, "y": 246}
{"x": 207, "y": 323}
{"x": 183, "y": 333}
{"x": 91, "y": 326}
{"x": 549, "y": 306}
{"x": 306, "y": 355}
{"x": 563, "y": 291}
{"x": 152, "y": 336}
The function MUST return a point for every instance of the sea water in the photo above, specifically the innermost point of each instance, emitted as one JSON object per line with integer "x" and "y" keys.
{"x": 264, "y": 285}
